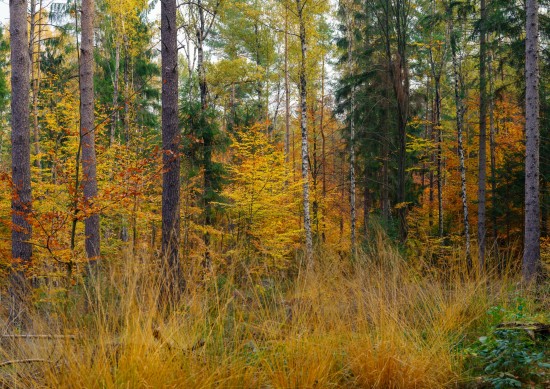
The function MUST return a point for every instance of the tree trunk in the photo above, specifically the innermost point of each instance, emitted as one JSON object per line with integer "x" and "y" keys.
{"x": 439, "y": 156}
{"x": 87, "y": 129}
{"x": 492, "y": 151}
{"x": 323, "y": 145}
{"x": 482, "y": 167}
{"x": 114, "y": 115}
{"x": 531, "y": 254}
{"x": 35, "y": 79}
{"x": 303, "y": 126}
{"x": 126, "y": 91}
{"x": 287, "y": 94}
{"x": 21, "y": 201}
{"x": 353, "y": 212}
{"x": 207, "y": 136}
{"x": 170, "y": 148}
{"x": 460, "y": 110}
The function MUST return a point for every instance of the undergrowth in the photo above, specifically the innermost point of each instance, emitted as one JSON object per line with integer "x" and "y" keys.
{"x": 373, "y": 323}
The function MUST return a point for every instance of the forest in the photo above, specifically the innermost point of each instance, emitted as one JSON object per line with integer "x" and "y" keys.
{"x": 274, "y": 194}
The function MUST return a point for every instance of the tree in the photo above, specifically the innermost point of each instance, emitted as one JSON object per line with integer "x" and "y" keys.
{"x": 87, "y": 130}
{"x": 303, "y": 126}
{"x": 21, "y": 202}
{"x": 460, "y": 111}
{"x": 170, "y": 148}
{"x": 531, "y": 253}
{"x": 482, "y": 166}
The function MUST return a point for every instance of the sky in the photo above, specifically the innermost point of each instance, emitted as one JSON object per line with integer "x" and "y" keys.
{"x": 4, "y": 12}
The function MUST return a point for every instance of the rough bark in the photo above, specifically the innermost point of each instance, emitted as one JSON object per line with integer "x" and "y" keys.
{"x": 87, "y": 130}
{"x": 170, "y": 148}
{"x": 482, "y": 166}
{"x": 531, "y": 255}
{"x": 21, "y": 203}
{"x": 303, "y": 127}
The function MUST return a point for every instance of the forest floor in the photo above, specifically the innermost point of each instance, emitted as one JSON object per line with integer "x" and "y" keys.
{"x": 373, "y": 323}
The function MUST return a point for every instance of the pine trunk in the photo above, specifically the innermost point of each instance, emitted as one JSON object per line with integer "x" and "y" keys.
{"x": 87, "y": 129}
{"x": 170, "y": 148}
{"x": 21, "y": 202}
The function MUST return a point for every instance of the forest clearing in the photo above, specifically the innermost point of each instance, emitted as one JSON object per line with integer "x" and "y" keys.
{"x": 274, "y": 194}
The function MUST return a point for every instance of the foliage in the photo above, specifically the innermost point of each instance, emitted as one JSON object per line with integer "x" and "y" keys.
{"x": 262, "y": 202}
{"x": 510, "y": 357}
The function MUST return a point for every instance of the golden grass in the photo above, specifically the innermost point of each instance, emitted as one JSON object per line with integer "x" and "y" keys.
{"x": 375, "y": 323}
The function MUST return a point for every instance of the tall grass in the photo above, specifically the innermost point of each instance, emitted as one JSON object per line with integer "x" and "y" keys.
{"x": 373, "y": 323}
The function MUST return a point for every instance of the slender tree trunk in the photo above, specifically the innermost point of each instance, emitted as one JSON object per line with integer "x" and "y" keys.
{"x": 287, "y": 94}
{"x": 492, "y": 150}
{"x": 35, "y": 78}
{"x": 439, "y": 155}
{"x": 21, "y": 201}
{"x": 353, "y": 211}
{"x": 314, "y": 178}
{"x": 460, "y": 110}
{"x": 531, "y": 255}
{"x": 385, "y": 195}
{"x": 431, "y": 175}
{"x": 171, "y": 152}
{"x": 482, "y": 167}
{"x": 114, "y": 118}
{"x": 323, "y": 144}
{"x": 366, "y": 204}
{"x": 87, "y": 129}
{"x": 303, "y": 126}
{"x": 207, "y": 136}
{"x": 126, "y": 91}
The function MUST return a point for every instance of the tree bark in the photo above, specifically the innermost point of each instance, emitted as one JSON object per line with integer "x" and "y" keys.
{"x": 21, "y": 201}
{"x": 87, "y": 129}
{"x": 492, "y": 151}
{"x": 287, "y": 94}
{"x": 303, "y": 127}
{"x": 171, "y": 153}
{"x": 531, "y": 255}
{"x": 353, "y": 211}
{"x": 460, "y": 110}
{"x": 482, "y": 166}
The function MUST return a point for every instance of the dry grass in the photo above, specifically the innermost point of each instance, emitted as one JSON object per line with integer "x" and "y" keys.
{"x": 372, "y": 324}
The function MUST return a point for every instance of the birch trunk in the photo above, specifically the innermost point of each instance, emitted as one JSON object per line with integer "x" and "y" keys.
{"x": 460, "y": 110}
{"x": 303, "y": 127}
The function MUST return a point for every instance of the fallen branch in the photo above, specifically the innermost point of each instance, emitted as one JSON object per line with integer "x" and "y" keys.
{"x": 38, "y": 336}
{"x": 18, "y": 361}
